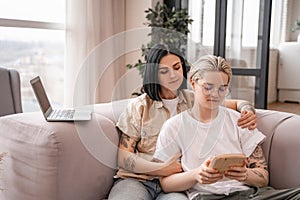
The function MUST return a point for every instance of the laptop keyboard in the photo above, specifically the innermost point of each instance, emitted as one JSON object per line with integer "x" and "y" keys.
{"x": 62, "y": 114}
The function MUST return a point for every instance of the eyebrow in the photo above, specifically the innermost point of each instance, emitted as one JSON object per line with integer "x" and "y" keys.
{"x": 163, "y": 66}
{"x": 214, "y": 84}
{"x": 179, "y": 62}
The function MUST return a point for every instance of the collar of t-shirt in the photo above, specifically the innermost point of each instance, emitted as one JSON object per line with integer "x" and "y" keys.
{"x": 171, "y": 105}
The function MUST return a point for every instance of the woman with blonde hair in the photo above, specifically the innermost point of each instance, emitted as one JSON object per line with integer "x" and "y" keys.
{"x": 209, "y": 129}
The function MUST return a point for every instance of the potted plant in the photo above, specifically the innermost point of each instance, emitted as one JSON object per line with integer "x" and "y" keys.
{"x": 168, "y": 26}
{"x": 297, "y": 27}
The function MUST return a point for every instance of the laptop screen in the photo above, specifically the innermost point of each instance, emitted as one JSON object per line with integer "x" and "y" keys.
{"x": 40, "y": 94}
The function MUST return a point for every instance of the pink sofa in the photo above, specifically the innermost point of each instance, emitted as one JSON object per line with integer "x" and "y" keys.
{"x": 77, "y": 161}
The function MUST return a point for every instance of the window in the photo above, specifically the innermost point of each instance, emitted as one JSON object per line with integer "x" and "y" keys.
{"x": 201, "y": 36}
{"x": 32, "y": 39}
{"x": 242, "y": 45}
{"x": 203, "y": 14}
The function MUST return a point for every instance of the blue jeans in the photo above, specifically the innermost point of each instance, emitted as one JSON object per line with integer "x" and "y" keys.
{"x": 129, "y": 189}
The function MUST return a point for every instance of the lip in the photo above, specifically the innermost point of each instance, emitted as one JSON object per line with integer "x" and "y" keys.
{"x": 175, "y": 81}
{"x": 213, "y": 100}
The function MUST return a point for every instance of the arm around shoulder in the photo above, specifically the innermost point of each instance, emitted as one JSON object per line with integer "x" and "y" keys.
{"x": 239, "y": 105}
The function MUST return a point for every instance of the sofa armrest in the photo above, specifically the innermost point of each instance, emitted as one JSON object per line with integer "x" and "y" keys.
{"x": 281, "y": 147}
{"x": 284, "y": 163}
{"x": 57, "y": 160}
{"x": 267, "y": 123}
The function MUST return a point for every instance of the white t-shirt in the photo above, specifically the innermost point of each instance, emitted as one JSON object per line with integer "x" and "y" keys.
{"x": 171, "y": 104}
{"x": 197, "y": 141}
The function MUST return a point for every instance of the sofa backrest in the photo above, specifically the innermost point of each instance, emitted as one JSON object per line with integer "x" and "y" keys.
{"x": 10, "y": 101}
{"x": 281, "y": 146}
{"x": 111, "y": 110}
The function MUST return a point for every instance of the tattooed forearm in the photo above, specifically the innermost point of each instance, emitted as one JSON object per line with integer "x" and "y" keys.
{"x": 127, "y": 143}
{"x": 257, "y": 159}
{"x": 124, "y": 140}
{"x": 127, "y": 150}
{"x": 258, "y": 168}
{"x": 129, "y": 162}
{"x": 260, "y": 175}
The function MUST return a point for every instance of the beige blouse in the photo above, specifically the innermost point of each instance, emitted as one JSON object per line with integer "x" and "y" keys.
{"x": 142, "y": 121}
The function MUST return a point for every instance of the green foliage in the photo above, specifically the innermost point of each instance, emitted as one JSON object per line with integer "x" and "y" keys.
{"x": 297, "y": 25}
{"x": 168, "y": 26}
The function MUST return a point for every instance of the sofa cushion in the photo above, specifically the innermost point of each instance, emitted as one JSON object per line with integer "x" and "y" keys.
{"x": 31, "y": 150}
{"x": 53, "y": 160}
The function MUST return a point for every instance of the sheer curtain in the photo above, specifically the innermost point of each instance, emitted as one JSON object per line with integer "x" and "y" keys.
{"x": 93, "y": 64}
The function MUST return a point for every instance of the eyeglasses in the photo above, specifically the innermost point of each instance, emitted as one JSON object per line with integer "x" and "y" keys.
{"x": 208, "y": 89}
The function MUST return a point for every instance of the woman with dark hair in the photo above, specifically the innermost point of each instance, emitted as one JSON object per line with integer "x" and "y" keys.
{"x": 165, "y": 95}
{"x": 151, "y": 84}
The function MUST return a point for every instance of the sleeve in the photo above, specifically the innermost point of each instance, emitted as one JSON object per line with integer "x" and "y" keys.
{"x": 250, "y": 139}
{"x": 167, "y": 143}
{"x": 129, "y": 121}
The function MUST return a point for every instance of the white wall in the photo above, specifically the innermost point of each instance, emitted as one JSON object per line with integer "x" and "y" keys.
{"x": 135, "y": 19}
{"x": 135, "y": 25}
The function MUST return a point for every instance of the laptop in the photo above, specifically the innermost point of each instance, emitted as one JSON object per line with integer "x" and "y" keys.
{"x": 50, "y": 114}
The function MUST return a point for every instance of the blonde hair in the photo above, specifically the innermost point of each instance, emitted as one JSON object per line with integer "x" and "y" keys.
{"x": 209, "y": 63}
